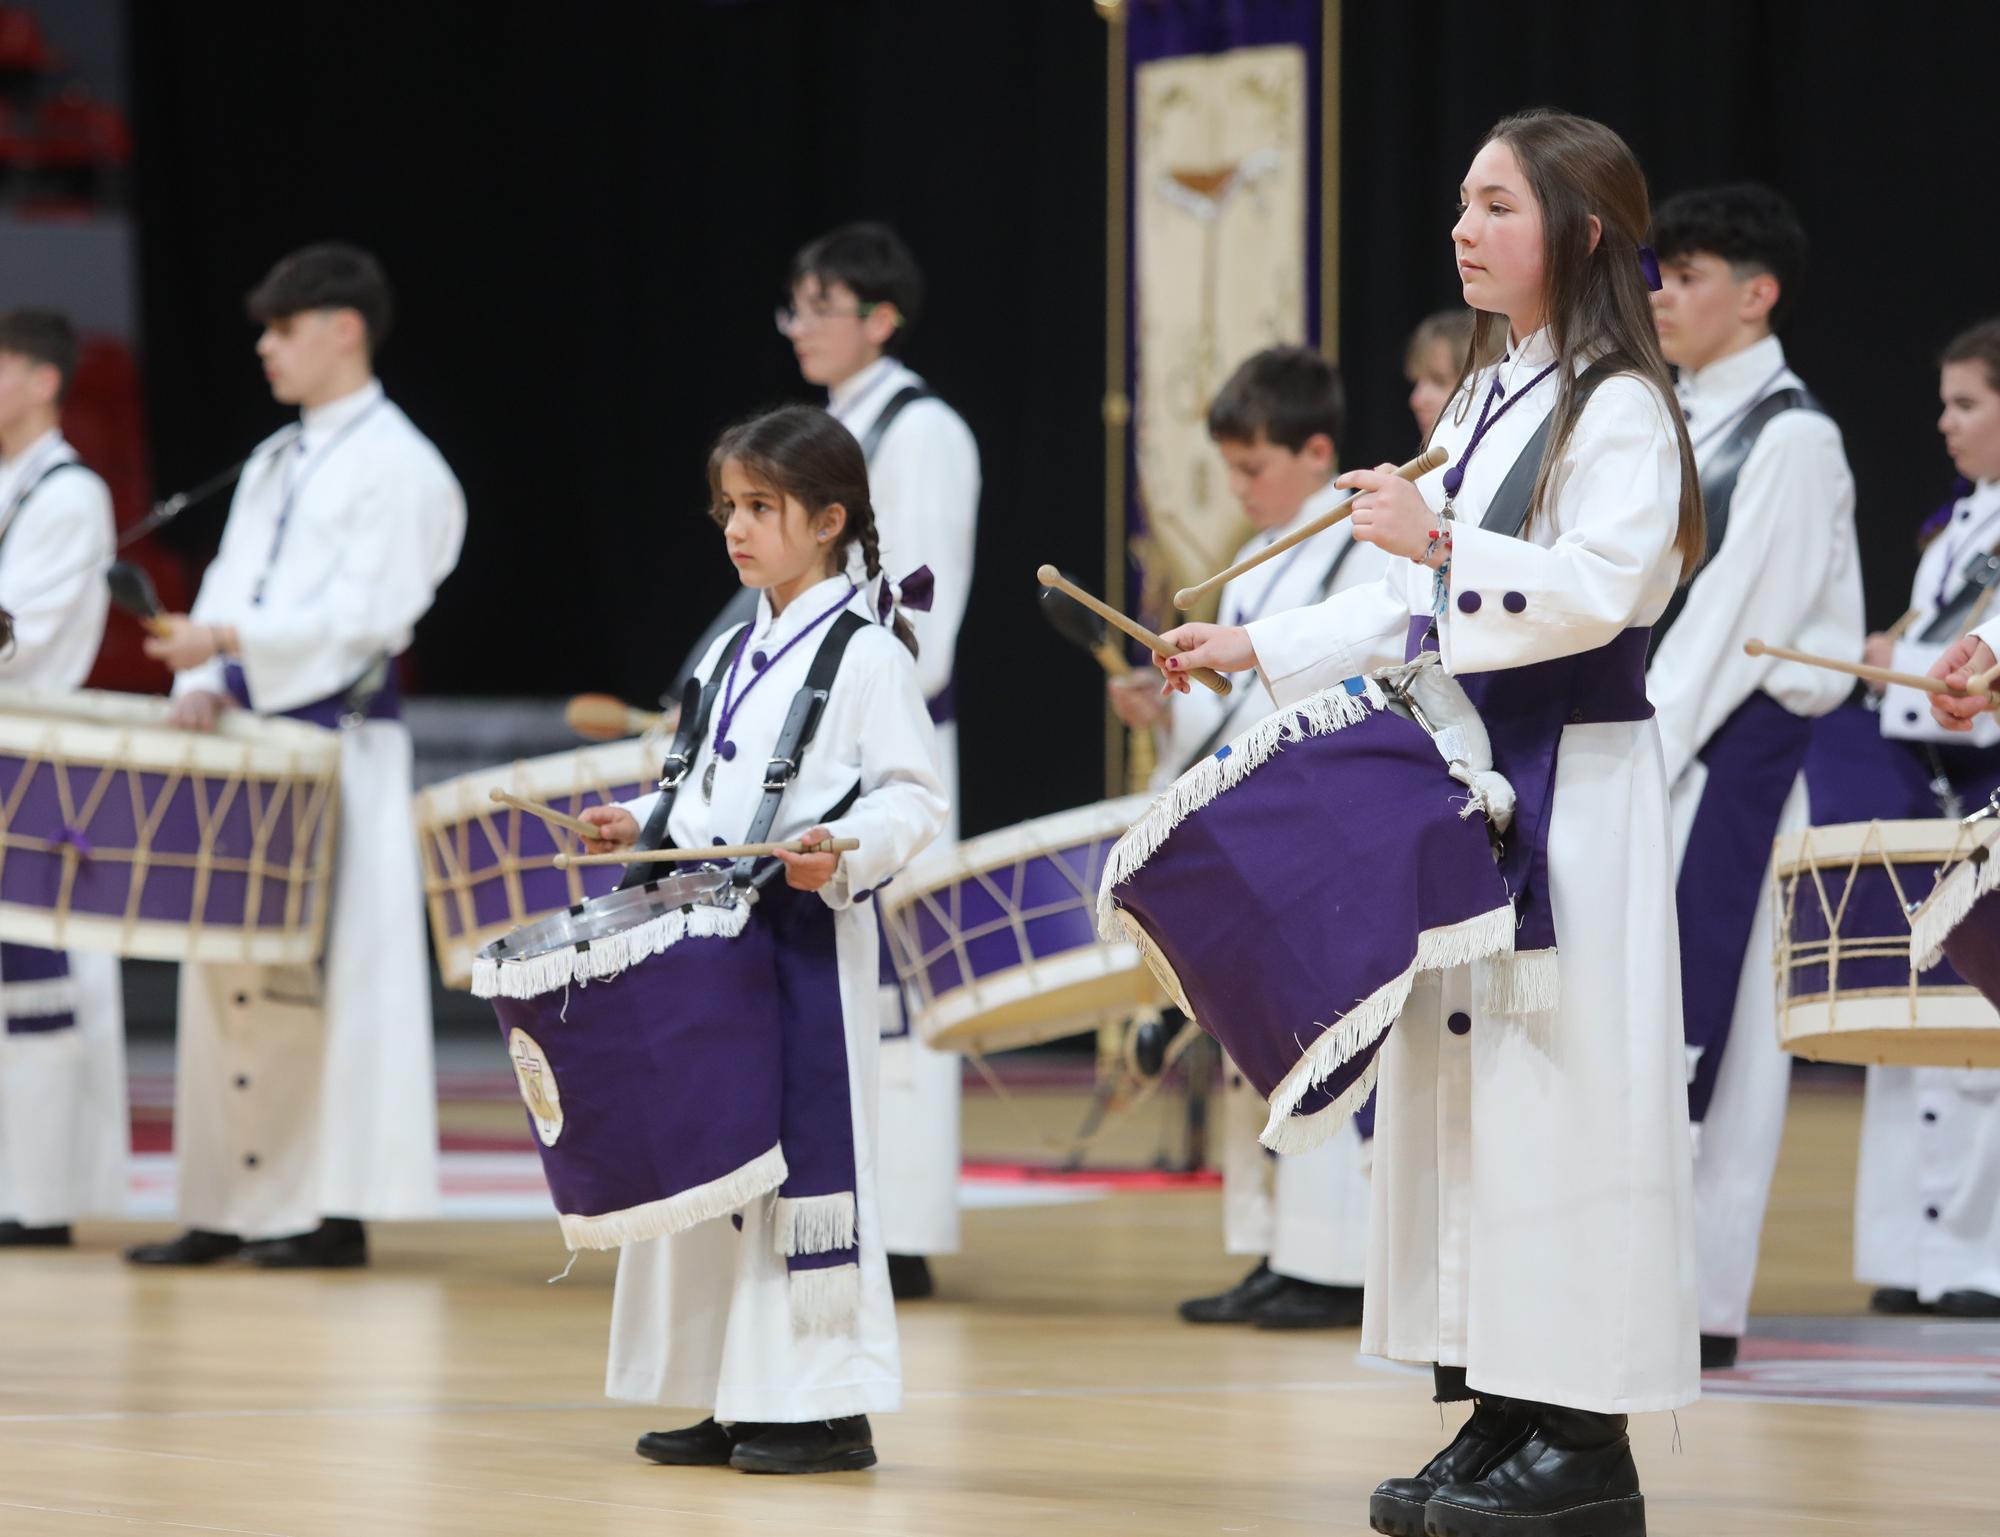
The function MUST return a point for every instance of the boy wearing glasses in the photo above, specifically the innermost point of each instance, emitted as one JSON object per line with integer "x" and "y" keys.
{"x": 856, "y": 294}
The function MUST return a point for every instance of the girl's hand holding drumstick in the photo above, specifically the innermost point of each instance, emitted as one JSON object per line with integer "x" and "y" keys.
{"x": 1968, "y": 663}
{"x": 1223, "y": 647}
{"x": 616, "y": 828}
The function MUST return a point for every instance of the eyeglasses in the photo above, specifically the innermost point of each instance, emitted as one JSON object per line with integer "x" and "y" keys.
{"x": 791, "y": 321}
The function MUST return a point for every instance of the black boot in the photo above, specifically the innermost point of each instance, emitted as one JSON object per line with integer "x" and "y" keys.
{"x": 1236, "y": 1305}
{"x": 1896, "y": 1301}
{"x": 910, "y": 1277}
{"x": 1308, "y": 1305}
{"x": 338, "y": 1243}
{"x": 1497, "y": 1427}
{"x": 706, "y": 1445}
{"x": 1968, "y": 1304}
{"x": 1573, "y": 1477}
{"x": 818, "y": 1446}
{"x": 14, "y": 1236}
{"x": 197, "y": 1246}
{"x": 1718, "y": 1352}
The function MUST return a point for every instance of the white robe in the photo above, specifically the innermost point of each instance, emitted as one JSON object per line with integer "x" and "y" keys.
{"x": 1307, "y": 1213}
{"x": 1927, "y": 1191}
{"x": 1970, "y": 535}
{"x": 924, "y": 482}
{"x": 302, "y": 1093}
{"x": 1532, "y": 1217}
{"x": 703, "y": 1318}
{"x": 64, "y": 1121}
{"x": 1788, "y": 572}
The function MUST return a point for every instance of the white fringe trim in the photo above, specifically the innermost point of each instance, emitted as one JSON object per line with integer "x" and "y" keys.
{"x": 1130, "y": 929}
{"x": 533, "y": 976}
{"x": 1329, "y": 710}
{"x": 38, "y": 1000}
{"x": 1945, "y": 908}
{"x": 826, "y": 1301}
{"x": 1525, "y": 982}
{"x": 1456, "y": 944}
{"x": 677, "y": 1213}
{"x": 814, "y": 1224}
{"x": 1303, "y": 1133}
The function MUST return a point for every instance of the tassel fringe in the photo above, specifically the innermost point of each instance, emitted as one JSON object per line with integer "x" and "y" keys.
{"x": 1525, "y": 982}
{"x": 677, "y": 1213}
{"x": 1945, "y": 908}
{"x": 826, "y": 1301}
{"x": 602, "y": 959}
{"x": 1303, "y": 1133}
{"x": 814, "y": 1224}
{"x": 38, "y": 1000}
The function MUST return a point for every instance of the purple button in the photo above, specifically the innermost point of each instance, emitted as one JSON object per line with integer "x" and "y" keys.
{"x": 1931, "y": 1212}
{"x": 1514, "y": 602}
{"x": 718, "y": 840}
{"x": 1910, "y": 717}
{"x": 1459, "y": 1024}
{"x": 726, "y": 751}
{"x": 1468, "y": 603}
{"x": 759, "y": 661}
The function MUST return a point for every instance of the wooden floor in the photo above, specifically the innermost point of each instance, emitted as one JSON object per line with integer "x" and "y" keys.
{"x": 450, "y": 1389}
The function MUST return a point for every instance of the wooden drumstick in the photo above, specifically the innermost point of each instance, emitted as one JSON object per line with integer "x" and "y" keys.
{"x": 719, "y": 851}
{"x": 1420, "y": 466}
{"x": 602, "y": 718}
{"x": 1979, "y": 686}
{"x": 548, "y": 814}
{"x": 1207, "y": 677}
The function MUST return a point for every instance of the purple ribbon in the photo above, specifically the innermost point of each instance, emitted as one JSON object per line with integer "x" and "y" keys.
{"x": 1649, "y": 264}
{"x": 1454, "y": 477}
{"x": 75, "y": 838}
{"x": 913, "y": 592}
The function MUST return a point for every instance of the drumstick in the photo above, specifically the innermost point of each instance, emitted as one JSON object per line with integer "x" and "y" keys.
{"x": 1420, "y": 466}
{"x": 1207, "y": 677}
{"x": 546, "y": 813}
{"x": 719, "y": 851}
{"x": 1978, "y": 686}
{"x": 602, "y": 718}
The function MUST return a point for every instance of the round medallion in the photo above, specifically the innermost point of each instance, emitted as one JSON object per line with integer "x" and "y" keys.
{"x": 538, "y": 1085}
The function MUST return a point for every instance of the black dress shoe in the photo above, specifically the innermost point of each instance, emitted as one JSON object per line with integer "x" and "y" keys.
{"x": 818, "y": 1446}
{"x": 197, "y": 1246}
{"x": 1236, "y": 1305}
{"x": 910, "y": 1277}
{"x": 1968, "y": 1304}
{"x": 1718, "y": 1352}
{"x": 338, "y": 1243}
{"x": 14, "y": 1236}
{"x": 1308, "y": 1305}
{"x": 1496, "y": 1428}
{"x": 1896, "y": 1301}
{"x": 706, "y": 1445}
{"x": 1573, "y": 1477}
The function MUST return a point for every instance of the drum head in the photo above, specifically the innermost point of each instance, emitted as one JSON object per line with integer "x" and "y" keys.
{"x": 614, "y": 913}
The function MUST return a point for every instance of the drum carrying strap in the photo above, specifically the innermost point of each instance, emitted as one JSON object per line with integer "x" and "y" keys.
{"x": 909, "y": 394}
{"x": 697, "y": 701}
{"x": 1507, "y": 513}
{"x": 1950, "y": 621}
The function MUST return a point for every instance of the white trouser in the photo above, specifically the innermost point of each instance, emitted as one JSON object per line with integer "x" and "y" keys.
{"x": 1927, "y": 1197}
{"x": 1307, "y": 1213}
{"x": 64, "y": 1121}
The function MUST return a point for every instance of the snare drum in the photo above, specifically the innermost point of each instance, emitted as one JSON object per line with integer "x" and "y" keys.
{"x": 488, "y": 868}
{"x": 645, "y": 1034}
{"x": 119, "y": 832}
{"x": 995, "y": 942}
{"x": 1846, "y": 900}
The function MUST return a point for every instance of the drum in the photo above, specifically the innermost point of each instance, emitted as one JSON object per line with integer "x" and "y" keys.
{"x": 119, "y": 832}
{"x": 995, "y": 939}
{"x": 1290, "y": 889}
{"x": 488, "y": 868}
{"x": 1845, "y": 901}
{"x": 644, "y": 1031}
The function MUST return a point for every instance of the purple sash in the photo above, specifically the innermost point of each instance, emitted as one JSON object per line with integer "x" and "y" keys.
{"x": 385, "y": 704}
{"x": 1752, "y": 761}
{"x": 36, "y": 992}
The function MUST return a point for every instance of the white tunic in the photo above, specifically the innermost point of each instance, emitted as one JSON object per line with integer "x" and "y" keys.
{"x": 703, "y": 1318}
{"x": 309, "y": 1093}
{"x": 1970, "y": 535}
{"x": 1788, "y": 572}
{"x": 1532, "y": 1215}
{"x": 924, "y": 481}
{"x": 64, "y": 1128}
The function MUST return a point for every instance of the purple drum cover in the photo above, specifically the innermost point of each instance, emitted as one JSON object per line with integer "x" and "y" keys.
{"x": 1972, "y": 949}
{"x": 1874, "y": 912}
{"x": 483, "y": 846}
{"x": 106, "y": 887}
{"x": 669, "y": 1077}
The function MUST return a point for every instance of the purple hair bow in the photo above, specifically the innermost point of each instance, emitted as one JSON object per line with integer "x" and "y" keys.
{"x": 1649, "y": 264}
{"x": 913, "y": 592}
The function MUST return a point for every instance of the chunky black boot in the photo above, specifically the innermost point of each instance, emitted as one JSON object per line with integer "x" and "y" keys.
{"x": 1496, "y": 1428}
{"x": 706, "y": 1445}
{"x": 1573, "y": 1477}
{"x": 818, "y": 1446}
{"x": 910, "y": 1278}
{"x": 1241, "y": 1300}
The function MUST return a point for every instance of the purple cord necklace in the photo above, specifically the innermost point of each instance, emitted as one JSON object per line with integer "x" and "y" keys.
{"x": 732, "y": 701}
{"x": 1454, "y": 477}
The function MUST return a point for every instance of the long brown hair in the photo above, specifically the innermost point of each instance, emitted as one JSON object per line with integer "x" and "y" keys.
{"x": 1595, "y": 300}
{"x": 803, "y": 453}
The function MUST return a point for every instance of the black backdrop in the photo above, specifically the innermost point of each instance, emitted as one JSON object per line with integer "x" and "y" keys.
{"x": 587, "y": 209}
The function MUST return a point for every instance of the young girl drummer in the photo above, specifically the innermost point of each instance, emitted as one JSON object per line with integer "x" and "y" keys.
{"x": 707, "y": 1316}
{"x": 1532, "y": 1230}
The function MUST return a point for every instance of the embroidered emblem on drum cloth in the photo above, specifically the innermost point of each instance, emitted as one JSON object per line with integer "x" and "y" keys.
{"x": 538, "y": 1085}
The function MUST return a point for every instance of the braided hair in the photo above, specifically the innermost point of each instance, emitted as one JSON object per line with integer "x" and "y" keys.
{"x": 803, "y": 453}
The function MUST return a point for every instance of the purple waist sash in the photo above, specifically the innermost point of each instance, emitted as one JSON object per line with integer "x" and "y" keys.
{"x": 37, "y": 995}
{"x": 387, "y": 703}
{"x": 1525, "y": 710}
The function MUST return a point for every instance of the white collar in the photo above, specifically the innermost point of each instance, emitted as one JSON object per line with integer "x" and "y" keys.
{"x": 318, "y": 423}
{"x": 800, "y": 612}
{"x": 1728, "y": 381}
{"x": 847, "y": 394}
{"x": 1982, "y": 503}
{"x": 1533, "y": 352}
